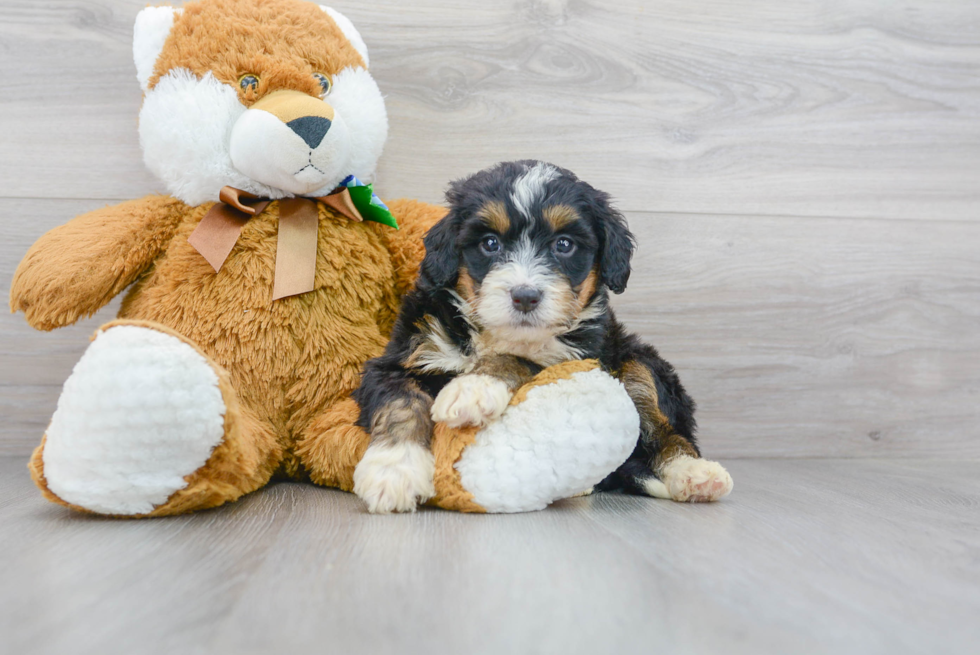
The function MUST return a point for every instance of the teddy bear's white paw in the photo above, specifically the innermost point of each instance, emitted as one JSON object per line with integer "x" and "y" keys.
{"x": 141, "y": 410}
{"x": 471, "y": 400}
{"x": 395, "y": 477}
{"x": 693, "y": 480}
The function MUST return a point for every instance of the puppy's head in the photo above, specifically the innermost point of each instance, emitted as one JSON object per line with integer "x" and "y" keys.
{"x": 527, "y": 245}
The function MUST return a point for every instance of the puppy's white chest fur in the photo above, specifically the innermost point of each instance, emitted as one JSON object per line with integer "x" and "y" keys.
{"x": 540, "y": 346}
{"x": 437, "y": 352}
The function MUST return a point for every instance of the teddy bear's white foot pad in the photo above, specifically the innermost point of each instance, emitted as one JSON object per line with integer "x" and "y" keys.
{"x": 140, "y": 411}
{"x": 561, "y": 440}
{"x": 691, "y": 480}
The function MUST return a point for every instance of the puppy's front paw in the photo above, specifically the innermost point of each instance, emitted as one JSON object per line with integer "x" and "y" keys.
{"x": 395, "y": 477}
{"x": 694, "y": 480}
{"x": 471, "y": 400}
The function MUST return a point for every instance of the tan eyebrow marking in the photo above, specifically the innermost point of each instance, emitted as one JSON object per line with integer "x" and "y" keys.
{"x": 558, "y": 216}
{"x": 494, "y": 214}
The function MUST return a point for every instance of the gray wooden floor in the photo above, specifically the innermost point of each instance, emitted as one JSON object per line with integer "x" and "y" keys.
{"x": 806, "y": 556}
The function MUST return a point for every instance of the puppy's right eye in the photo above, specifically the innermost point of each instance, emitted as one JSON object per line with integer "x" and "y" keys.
{"x": 490, "y": 244}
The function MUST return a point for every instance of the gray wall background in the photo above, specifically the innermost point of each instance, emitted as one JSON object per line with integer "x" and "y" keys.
{"x": 803, "y": 178}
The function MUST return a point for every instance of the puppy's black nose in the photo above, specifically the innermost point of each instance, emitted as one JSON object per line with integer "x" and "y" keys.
{"x": 525, "y": 298}
{"x": 311, "y": 129}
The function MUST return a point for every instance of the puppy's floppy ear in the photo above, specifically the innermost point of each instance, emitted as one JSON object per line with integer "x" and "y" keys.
{"x": 440, "y": 266}
{"x": 616, "y": 242}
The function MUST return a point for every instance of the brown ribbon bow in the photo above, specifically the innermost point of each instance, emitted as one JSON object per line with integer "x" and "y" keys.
{"x": 216, "y": 234}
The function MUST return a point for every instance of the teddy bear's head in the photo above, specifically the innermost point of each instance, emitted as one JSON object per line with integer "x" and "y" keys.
{"x": 269, "y": 96}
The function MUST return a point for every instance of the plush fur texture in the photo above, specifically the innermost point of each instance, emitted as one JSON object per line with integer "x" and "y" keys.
{"x": 201, "y": 127}
{"x": 448, "y": 446}
{"x": 102, "y": 455}
{"x": 579, "y": 442}
{"x": 242, "y": 462}
{"x": 285, "y": 368}
{"x": 515, "y": 279}
{"x": 150, "y": 32}
{"x": 75, "y": 269}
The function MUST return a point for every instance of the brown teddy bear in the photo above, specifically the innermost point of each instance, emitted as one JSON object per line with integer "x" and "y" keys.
{"x": 259, "y": 287}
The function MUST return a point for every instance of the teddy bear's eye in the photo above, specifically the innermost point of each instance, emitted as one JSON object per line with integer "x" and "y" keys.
{"x": 248, "y": 82}
{"x": 325, "y": 83}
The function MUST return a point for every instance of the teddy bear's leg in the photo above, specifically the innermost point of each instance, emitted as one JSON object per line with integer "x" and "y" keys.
{"x": 147, "y": 425}
{"x": 562, "y": 433}
{"x": 389, "y": 475}
{"x": 333, "y": 444}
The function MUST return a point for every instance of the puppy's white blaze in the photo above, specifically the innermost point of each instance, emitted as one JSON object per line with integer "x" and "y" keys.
{"x": 188, "y": 125}
{"x": 523, "y": 267}
{"x": 497, "y": 327}
{"x": 471, "y": 400}
{"x": 691, "y": 479}
{"x": 395, "y": 477}
{"x": 529, "y": 186}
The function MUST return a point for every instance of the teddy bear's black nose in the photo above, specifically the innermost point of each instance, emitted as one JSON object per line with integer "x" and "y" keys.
{"x": 311, "y": 129}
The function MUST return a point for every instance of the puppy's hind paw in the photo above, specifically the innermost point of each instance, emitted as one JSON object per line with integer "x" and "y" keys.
{"x": 395, "y": 477}
{"x": 695, "y": 480}
{"x": 471, "y": 400}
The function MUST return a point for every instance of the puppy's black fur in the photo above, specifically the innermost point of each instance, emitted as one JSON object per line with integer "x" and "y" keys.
{"x": 574, "y": 248}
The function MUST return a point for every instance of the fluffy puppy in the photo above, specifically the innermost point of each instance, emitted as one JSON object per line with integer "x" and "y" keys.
{"x": 517, "y": 278}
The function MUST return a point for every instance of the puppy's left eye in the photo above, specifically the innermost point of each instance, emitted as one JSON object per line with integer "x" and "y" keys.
{"x": 564, "y": 246}
{"x": 490, "y": 244}
{"x": 325, "y": 83}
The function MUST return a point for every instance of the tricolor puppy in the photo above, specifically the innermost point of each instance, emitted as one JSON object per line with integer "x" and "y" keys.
{"x": 517, "y": 278}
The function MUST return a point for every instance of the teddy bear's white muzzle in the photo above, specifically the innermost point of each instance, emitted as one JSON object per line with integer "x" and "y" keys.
{"x": 303, "y": 155}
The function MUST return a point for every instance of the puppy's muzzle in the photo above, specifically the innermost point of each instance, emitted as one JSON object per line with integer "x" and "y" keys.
{"x": 525, "y": 298}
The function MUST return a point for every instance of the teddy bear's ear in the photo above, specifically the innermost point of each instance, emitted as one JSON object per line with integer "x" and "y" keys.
{"x": 152, "y": 27}
{"x": 349, "y": 31}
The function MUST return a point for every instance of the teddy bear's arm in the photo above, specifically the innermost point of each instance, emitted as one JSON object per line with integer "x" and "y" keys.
{"x": 76, "y": 268}
{"x": 405, "y": 244}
